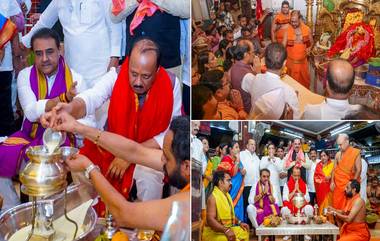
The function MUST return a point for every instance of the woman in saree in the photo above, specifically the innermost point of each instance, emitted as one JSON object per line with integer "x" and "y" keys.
{"x": 232, "y": 165}
{"x": 322, "y": 178}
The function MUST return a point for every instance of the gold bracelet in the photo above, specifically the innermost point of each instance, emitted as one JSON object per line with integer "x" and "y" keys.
{"x": 96, "y": 141}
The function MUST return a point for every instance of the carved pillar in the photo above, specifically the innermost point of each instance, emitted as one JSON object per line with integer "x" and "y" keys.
{"x": 309, "y": 14}
{"x": 317, "y": 20}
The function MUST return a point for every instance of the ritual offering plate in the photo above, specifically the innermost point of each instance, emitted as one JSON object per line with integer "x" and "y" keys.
{"x": 298, "y": 219}
{"x": 272, "y": 221}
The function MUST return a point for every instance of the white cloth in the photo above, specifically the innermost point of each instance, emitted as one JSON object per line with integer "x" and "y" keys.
{"x": 275, "y": 166}
{"x": 260, "y": 84}
{"x": 34, "y": 108}
{"x": 330, "y": 109}
{"x": 363, "y": 181}
{"x": 308, "y": 210}
{"x": 196, "y": 148}
{"x": 204, "y": 162}
{"x": 251, "y": 164}
{"x": 185, "y": 51}
{"x": 283, "y": 180}
{"x": 310, "y": 175}
{"x": 149, "y": 183}
{"x": 102, "y": 91}
{"x": 269, "y": 106}
{"x": 252, "y": 214}
{"x": 8, "y": 192}
{"x": 8, "y": 8}
{"x": 285, "y": 197}
{"x": 90, "y": 36}
{"x": 275, "y": 194}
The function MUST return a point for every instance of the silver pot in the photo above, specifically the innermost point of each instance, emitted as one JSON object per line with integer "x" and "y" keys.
{"x": 21, "y": 216}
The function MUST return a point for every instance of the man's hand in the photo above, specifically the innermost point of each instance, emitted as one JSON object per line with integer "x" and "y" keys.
{"x": 65, "y": 122}
{"x": 117, "y": 168}
{"x": 244, "y": 226}
{"x": 243, "y": 172}
{"x": 297, "y": 186}
{"x": 230, "y": 235}
{"x": 283, "y": 175}
{"x": 266, "y": 188}
{"x": 77, "y": 163}
{"x": 48, "y": 119}
{"x": 72, "y": 92}
{"x": 288, "y": 112}
{"x": 1, "y": 55}
{"x": 114, "y": 62}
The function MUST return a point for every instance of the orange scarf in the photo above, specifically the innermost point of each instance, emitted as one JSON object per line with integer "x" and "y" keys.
{"x": 126, "y": 119}
{"x": 145, "y": 8}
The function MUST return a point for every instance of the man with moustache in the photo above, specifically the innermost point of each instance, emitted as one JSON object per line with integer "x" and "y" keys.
{"x": 173, "y": 160}
{"x": 280, "y": 153}
{"x": 352, "y": 215}
{"x": 144, "y": 98}
{"x": 297, "y": 158}
{"x": 222, "y": 224}
{"x": 280, "y": 23}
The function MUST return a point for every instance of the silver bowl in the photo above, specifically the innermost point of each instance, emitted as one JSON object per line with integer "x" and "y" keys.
{"x": 20, "y": 216}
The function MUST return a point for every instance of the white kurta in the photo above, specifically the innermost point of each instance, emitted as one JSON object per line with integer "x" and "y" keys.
{"x": 330, "y": 109}
{"x": 275, "y": 166}
{"x": 34, "y": 108}
{"x": 260, "y": 84}
{"x": 310, "y": 175}
{"x": 90, "y": 36}
{"x": 251, "y": 164}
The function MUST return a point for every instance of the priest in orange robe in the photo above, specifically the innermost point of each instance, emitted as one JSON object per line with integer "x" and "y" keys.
{"x": 298, "y": 41}
{"x": 347, "y": 166}
{"x": 280, "y": 23}
{"x": 353, "y": 215}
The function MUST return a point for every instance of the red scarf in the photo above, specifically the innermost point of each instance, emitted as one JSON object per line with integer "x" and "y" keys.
{"x": 291, "y": 186}
{"x": 126, "y": 119}
{"x": 300, "y": 155}
{"x": 145, "y": 9}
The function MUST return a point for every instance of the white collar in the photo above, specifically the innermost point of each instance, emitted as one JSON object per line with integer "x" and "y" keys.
{"x": 337, "y": 103}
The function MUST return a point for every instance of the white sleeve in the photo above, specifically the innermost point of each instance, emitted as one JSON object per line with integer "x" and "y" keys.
{"x": 179, "y": 8}
{"x": 115, "y": 31}
{"x": 294, "y": 103}
{"x": 32, "y": 107}
{"x": 99, "y": 93}
{"x": 279, "y": 165}
{"x": 252, "y": 193}
{"x": 247, "y": 82}
{"x": 88, "y": 120}
{"x": 307, "y": 163}
{"x": 285, "y": 193}
{"x": 47, "y": 20}
{"x": 264, "y": 163}
{"x": 130, "y": 6}
{"x": 177, "y": 103}
{"x": 307, "y": 197}
{"x": 28, "y": 4}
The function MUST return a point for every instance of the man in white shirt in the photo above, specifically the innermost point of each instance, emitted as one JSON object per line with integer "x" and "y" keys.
{"x": 40, "y": 88}
{"x": 260, "y": 84}
{"x": 340, "y": 79}
{"x": 310, "y": 175}
{"x": 92, "y": 41}
{"x": 142, "y": 79}
{"x": 251, "y": 164}
{"x": 280, "y": 153}
{"x": 275, "y": 166}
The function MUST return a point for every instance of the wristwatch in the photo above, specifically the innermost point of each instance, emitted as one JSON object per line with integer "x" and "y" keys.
{"x": 89, "y": 169}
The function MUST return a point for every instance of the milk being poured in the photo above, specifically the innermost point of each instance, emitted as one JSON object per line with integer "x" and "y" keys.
{"x": 52, "y": 145}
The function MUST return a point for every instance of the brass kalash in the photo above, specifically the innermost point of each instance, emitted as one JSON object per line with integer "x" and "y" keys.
{"x": 298, "y": 202}
{"x": 44, "y": 176}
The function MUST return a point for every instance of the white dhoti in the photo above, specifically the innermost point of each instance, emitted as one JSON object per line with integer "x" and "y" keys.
{"x": 149, "y": 183}
{"x": 252, "y": 214}
{"x": 308, "y": 210}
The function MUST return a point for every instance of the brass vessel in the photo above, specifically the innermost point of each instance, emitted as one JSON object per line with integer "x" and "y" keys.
{"x": 44, "y": 175}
